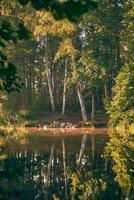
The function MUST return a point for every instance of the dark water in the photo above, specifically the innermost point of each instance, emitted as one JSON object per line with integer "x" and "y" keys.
{"x": 65, "y": 168}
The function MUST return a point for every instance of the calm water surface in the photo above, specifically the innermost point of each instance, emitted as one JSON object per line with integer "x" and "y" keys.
{"x": 66, "y": 168}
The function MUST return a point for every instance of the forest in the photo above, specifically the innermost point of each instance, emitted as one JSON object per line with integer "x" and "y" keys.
{"x": 67, "y": 99}
{"x": 71, "y": 63}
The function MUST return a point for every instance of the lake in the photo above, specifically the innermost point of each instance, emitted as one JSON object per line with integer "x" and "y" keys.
{"x": 67, "y": 167}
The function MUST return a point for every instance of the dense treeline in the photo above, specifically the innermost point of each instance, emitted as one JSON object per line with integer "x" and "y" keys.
{"x": 84, "y": 66}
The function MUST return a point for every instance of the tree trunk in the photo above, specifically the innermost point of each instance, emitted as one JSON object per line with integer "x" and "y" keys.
{"x": 65, "y": 170}
{"x": 98, "y": 98}
{"x": 40, "y": 85}
{"x": 48, "y": 74}
{"x": 29, "y": 87}
{"x": 52, "y": 81}
{"x": 49, "y": 166}
{"x": 93, "y": 107}
{"x": 81, "y": 100}
{"x": 50, "y": 89}
{"x": 83, "y": 145}
{"x": 64, "y": 88}
{"x": 105, "y": 88}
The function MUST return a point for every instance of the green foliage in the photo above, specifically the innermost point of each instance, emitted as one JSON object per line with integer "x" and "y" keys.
{"x": 8, "y": 118}
{"x": 3, "y": 115}
{"x": 87, "y": 124}
{"x": 9, "y": 80}
{"x": 93, "y": 70}
{"x": 63, "y": 9}
{"x": 86, "y": 72}
{"x": 121, "y": 108}
{"x": 65, "y": 49}
{"x": 93, "y": 49}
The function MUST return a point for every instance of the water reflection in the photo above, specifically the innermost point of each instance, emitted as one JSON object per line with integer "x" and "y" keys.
{"x": 120, "y": 149}
{"x": 67, "y": 168}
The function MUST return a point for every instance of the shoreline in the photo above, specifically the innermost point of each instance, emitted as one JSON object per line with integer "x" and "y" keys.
{"x": 57, "y": 131}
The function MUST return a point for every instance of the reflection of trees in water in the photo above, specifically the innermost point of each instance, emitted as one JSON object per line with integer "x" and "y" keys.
{"x": 93, "y": 146}
{"x": 120, "y": 149}
{"x": 86, "y": 181}
{"x": 43, "y": 168}
{"x": 65, "y": 170}
{"x": 82, "y": 149}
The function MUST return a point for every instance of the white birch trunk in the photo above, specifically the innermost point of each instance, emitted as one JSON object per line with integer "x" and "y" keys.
{"x": 93, "y": 107}
{"x": 48, "y": 74}
{"x": 49, "y": 77}
{"x": 64, "y": 88}
{"x": 82, "y": 105}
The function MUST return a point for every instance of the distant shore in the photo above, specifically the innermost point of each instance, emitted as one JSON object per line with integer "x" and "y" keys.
{"x": 70, "y": 120}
